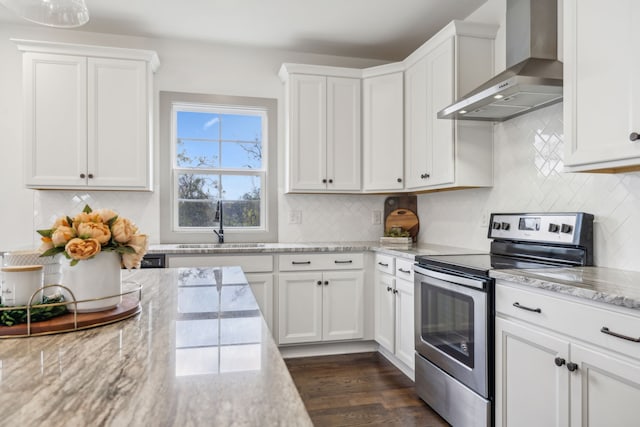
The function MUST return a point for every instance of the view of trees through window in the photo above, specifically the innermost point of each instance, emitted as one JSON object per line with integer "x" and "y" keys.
{"x": 218, "y": 156}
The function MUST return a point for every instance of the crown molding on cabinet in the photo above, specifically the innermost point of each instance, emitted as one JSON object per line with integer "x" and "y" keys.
{"x": 89, "y": 50}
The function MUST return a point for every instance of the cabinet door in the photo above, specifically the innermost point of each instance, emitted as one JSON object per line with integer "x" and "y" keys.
{"x": 417, "y": 152}
{"x": 530, "y": 389}
{"x": 262, "y": 288}
{"x": 307, "y": 132}
{"x": 299, "y": 307}
{"x": 440, "y": 90}
{"x": 605, "y": 390}
{"x": 602, "y": 85}
{"x": 383, "y": 132}
{"x": 56, "y": 122}
{"x": 118, "y": 121}
{"x": 343, "y": 134}
{"x": 385, "y": 311}
{"x": 342, "y": 305}
{"x": 405, "y": 322}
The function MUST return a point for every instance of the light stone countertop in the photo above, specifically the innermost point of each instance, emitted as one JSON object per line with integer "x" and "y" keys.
{"x": 199, "y": 354}
{"x": 254, "y": 248}
{"x": 605, "y": 285}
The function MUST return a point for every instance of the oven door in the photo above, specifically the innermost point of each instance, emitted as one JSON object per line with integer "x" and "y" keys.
{"x": 451, "y": 325}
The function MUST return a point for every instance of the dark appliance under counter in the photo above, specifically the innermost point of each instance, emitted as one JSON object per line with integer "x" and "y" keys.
{"x": 153, "y": 261}
{"x": 454, "y": 306}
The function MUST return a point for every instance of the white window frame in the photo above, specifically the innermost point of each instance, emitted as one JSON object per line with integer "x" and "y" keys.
{"x": 262, "y": 172}
{"x": 170, "y": 103}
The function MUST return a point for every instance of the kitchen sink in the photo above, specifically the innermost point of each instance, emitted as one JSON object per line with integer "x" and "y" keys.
{"x": 219, "y": 245}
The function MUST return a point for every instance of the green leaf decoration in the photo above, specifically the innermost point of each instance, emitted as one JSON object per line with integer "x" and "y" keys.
{"x": 53, "y": 251}
{"x": 38, "y": 313}
{"x": 87, "y": 209}
{"x": 45, "y": 233}
{"x": 70, "y": 221}
{"x": 73, "y": 262}
{"x": 112, "y": 221}
{"x": 125, "y": 250}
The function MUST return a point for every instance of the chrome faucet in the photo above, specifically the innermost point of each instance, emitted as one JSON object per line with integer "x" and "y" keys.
{"x": 218, "y": 217}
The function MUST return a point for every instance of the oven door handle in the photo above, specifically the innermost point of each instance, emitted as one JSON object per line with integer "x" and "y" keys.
{"x": 451, "y": 278}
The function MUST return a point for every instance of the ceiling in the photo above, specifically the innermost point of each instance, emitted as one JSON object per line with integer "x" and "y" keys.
{"x": 380, "y": 29}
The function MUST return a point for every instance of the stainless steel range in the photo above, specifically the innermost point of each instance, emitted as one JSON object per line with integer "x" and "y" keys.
{"x": 454, "y": 300}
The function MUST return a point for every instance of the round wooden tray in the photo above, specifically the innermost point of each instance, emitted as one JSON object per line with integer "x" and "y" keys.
{"x": 130, "y": 306}
{"x": 404, "y": 218}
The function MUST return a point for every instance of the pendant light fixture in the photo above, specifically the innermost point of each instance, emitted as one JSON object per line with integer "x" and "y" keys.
{"x": 53, "y": 13}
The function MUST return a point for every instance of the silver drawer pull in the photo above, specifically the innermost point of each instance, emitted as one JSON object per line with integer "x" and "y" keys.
{"x": 300, "y": 262}
{"x": 402, "y": 270}
{"x": 343, "y": 262}
{"x": 606, "y": 330}
{"x": 383, "y": 264}
{"x": 522, "y": 307}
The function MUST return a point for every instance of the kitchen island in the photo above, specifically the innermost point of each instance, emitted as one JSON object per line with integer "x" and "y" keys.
{"x": 198, "y": 354}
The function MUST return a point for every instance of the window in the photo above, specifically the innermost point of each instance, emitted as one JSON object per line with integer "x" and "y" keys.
{"x": 217, "y": 150}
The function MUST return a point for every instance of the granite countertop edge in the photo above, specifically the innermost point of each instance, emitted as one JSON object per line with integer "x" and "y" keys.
{"x": 609, "y": 286}
{"x": 273, "y": 248}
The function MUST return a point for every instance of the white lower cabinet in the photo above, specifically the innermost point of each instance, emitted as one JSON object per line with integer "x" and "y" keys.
{"x": 606, "y": 391}
{"x": 258, "y": 270}
{"x": 405, "y": 340}
{"x": 262, "y": 288}
{"x": 317, "y": 304}
{"x": 385, "y": 311}
{"x": 530, "y": 389}
{"x": 394, "y": 308}
{"x": 556, "y": 366}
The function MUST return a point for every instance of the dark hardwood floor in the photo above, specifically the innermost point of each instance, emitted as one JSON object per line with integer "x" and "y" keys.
{"x": 359, "y": 389}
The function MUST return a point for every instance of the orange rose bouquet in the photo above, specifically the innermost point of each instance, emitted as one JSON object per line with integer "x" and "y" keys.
{"x": 91, "y": 232}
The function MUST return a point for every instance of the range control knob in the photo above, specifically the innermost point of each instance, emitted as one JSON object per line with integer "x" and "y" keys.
{"x": 554, "y": 228}
{"x": 496, "y": 225}
{"x": 566, "y": 228}
{"x": 506, "y": 225}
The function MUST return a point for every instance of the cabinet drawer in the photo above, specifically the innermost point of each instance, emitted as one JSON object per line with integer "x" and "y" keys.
{"x": 386, "y": 263}
{"x": 331, "y": 261}
{"x": 404, "y": 269}
{"x": 248, "y": 263}
{"x": 583, "y": 321}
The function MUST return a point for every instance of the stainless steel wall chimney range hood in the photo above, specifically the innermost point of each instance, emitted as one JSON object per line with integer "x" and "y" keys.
{"x": 533, "y": 78}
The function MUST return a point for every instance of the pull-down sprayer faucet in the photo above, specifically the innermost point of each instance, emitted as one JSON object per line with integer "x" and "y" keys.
{"x": 218, "y": 217}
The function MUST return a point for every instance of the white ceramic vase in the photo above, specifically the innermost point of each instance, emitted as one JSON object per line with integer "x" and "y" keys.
{"x": 93, "y": 278}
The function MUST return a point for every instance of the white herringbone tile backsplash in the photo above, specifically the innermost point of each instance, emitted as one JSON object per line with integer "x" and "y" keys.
{"x": 528, "y": 177}
{"x": 328, "y": 217}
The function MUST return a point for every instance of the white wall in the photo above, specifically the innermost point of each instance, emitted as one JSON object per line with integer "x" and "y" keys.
{"x": 187, "y": 67}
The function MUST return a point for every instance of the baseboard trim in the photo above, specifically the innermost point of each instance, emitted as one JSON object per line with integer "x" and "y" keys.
{"x": 327, "y": 349}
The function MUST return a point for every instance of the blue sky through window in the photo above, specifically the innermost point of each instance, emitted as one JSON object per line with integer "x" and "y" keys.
{"x": 212, "y": 140}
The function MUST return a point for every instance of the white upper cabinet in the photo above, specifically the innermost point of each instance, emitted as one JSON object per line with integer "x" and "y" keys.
{"x": 404, "y": 146}
{"x": 343, "y": 134}
{"x": 87, "y": 116}
{"x": 323, "y": 128}
{"x": 442, "y": 153}
{"x": 382, "y": 124}
{"x": 602, "y": 86}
